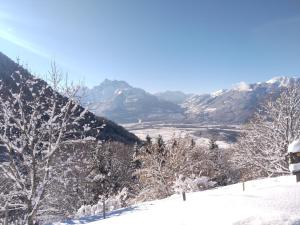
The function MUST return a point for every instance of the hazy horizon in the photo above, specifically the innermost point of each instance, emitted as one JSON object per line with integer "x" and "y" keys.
{"x": 190, "y": 46}
{"x": 241, "y": 83}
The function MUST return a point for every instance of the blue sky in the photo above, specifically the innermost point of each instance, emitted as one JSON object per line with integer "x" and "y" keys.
{"x": 189, "y": 45}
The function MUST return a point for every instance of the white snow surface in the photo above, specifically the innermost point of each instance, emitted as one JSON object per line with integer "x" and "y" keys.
{"x": 294, "y": 167}
{"x": 282, "y": 81}
{"x": 294, "y": 146}
{"x": 218, "y": 93}
{"x": 272, "y": 201}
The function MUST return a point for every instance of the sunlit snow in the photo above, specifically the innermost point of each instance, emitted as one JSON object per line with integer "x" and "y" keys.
{"x": 273, "y": 201}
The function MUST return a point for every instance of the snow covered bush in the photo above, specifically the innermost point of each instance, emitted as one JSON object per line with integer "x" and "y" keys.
{"x": 111, "y": 203}
{"x": 188, "y": 184}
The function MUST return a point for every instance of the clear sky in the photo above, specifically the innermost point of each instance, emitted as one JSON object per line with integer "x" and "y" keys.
{"x": 190, "y": 45}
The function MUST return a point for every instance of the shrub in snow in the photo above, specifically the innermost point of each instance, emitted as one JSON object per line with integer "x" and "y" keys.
{"x": 111, "y": 203}
{"x": 204, "y": 182}
{"x": 84, "y": 210}
{"x": 187, "y": 184}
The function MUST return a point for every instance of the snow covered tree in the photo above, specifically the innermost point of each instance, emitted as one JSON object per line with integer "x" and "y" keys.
{"x": 111, "y": 169}
{"x": 152, "y": 174}
{"x": 70, "y": 188}
{"x": 221, "y": 161}
{"x": 262, "y": 149}
{"x": 35, "y": 122}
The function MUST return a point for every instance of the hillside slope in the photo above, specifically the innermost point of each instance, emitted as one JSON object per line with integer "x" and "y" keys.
{"x": 272, "y": 201}
{"x": 12, "y": 76}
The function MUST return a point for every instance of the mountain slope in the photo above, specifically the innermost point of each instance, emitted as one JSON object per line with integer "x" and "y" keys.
{"x": 234, "y": 106}
{"x": 123, "y": 103}
{"x": 12, "y": 75}
{"x": 177, "y": 97}
{"x": 271, "y": 201}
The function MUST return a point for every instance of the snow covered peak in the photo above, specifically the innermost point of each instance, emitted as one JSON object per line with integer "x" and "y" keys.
{"x": 114, "y": 83}
{"x": 282, "y": 81}
{"x": 118, "y": 92}
{"x": 242, "y": 86}
{"x": 218, "y": 93}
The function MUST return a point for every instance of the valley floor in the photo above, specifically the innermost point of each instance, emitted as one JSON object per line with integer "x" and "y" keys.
{"x": 225, "y": 135}
{"x": 272, "y": 201}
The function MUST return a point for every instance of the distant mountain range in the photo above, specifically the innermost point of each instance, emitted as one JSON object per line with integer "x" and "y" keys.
{"x": 119, "y": 101}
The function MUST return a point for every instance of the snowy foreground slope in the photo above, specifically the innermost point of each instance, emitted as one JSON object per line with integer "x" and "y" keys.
{"x": 273, "y": 201}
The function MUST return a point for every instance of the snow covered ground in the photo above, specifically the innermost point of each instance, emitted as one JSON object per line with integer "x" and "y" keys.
{"x": 273, "y": 201}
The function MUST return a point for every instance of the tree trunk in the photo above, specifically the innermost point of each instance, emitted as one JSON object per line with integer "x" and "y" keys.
{"x": 6, "y": 215}
{"x": 30, "y": 217}
{"x": 104, "y": 212}
{"x": 30, "y": 221}
{"x": 183, "y": 196}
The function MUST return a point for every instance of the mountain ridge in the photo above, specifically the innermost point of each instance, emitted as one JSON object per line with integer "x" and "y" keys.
{"x": 124, "y": 103}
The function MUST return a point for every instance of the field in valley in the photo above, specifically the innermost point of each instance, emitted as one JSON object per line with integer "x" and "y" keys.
{"x": 224, "y": 134}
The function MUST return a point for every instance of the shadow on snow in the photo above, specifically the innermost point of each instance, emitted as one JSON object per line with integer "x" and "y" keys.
{"x": 89, "y": 219}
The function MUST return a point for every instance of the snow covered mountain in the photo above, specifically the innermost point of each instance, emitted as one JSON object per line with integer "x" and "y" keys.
{"x": 121, "y": 102}
{"x": 233, "y": 106}
{"x": 176, "y": 97}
